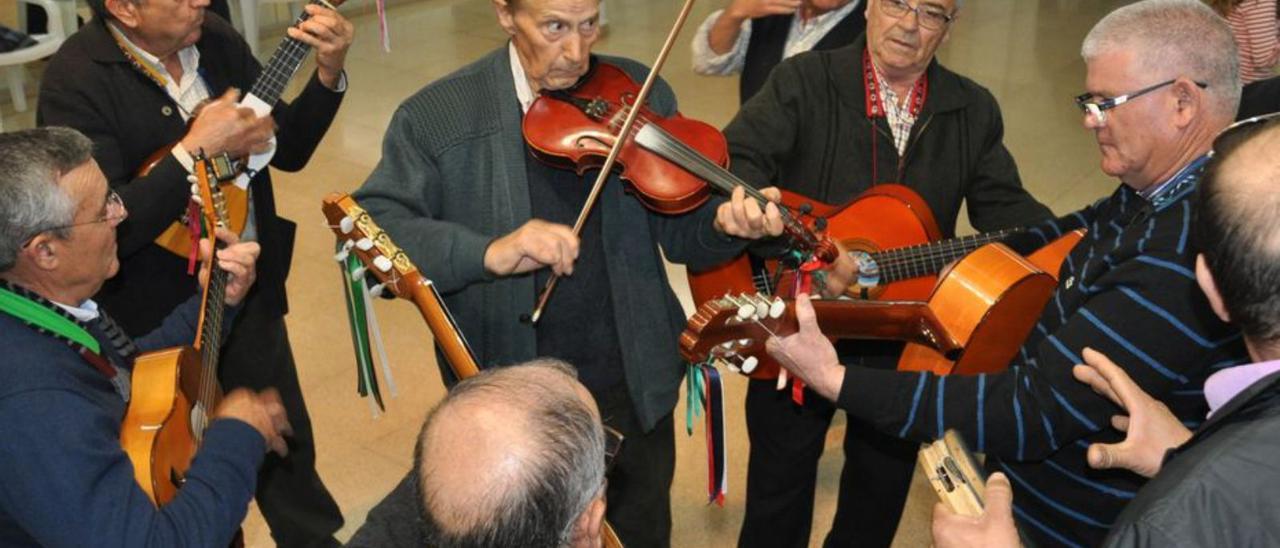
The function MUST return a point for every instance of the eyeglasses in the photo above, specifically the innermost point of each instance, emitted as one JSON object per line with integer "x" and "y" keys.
{"x": 930, "y": 17}
{"x": 1098, "y": 106}
{"x": 114, "y": 213}
{"x": 1237, "y": 133}
{"x": 612, "y": 446}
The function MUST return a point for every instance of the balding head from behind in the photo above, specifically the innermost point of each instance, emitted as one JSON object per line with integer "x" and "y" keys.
{"x": 513, "y": 457}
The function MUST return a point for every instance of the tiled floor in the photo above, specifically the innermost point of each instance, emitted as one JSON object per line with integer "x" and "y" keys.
{"x": 1024, "y": 51}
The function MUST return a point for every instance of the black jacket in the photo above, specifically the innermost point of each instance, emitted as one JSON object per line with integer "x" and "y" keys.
{"x": 807, "y": 131}
{"x": 769, "y": 39}
{"x": 90, "y": 86}
{"x": 1221, "y": 488}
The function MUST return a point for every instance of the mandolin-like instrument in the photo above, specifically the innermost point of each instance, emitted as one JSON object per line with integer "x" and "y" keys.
{"x": 262, "y": 97}
{"x": 174, "y": 391}
{"x": 358, "y": 234}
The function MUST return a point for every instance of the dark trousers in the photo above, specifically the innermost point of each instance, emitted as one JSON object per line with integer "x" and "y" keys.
{"x": 786, "y": 442}
{"x": 297, "y": 506}
{"x": 639, "y": 493}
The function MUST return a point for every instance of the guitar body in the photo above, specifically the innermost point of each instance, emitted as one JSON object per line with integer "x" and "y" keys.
{"x": 884, "y": 217}
{"x": 177, "y": 238}
{"x": 989, "y": 301}
{"x": 157, "y": 433}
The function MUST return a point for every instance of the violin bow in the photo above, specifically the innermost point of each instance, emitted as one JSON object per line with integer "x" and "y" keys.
{"x": 605, "y": 169}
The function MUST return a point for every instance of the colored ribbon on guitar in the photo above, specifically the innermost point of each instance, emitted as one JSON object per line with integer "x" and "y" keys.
{"x": 366, "y": 336}
{"x": 704, "y": 392}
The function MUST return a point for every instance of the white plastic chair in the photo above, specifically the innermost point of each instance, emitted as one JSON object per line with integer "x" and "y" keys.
{"x": 249, "y": 18}
{"x": 47, "y": 44}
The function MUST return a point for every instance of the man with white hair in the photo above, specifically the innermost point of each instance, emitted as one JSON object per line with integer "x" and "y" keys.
{"x": 1161, "y": 83}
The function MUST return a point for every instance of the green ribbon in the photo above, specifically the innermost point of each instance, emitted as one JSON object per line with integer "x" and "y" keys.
{"x": 41, "y": 316}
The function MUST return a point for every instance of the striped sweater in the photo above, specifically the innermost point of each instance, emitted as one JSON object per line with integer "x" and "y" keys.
{"x": 1256, "y": 28}
{"x": 1128, "y": 290}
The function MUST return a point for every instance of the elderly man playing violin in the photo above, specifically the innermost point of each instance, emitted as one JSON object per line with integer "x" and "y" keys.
{"x": 1161, "y": 81}
{"x": 65, "y": 480}
{"x": 458, "y": 187}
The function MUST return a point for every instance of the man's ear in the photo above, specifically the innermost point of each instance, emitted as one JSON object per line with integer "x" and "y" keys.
{"x": 590, "y": 524}
{"x": 1190, "y": 101}
{"x": 43, "y": 253}
{"x": 506, "y": 16}
{"x": 124, "y": 11}
{"x": 1210, "y": 288}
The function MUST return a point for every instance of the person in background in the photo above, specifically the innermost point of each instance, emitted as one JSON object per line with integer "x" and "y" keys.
{"x": 1256, "y": 27}
{"x": 751, "y": 36}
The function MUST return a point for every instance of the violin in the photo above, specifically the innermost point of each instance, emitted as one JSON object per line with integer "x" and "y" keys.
{"x": 670, "y": 162}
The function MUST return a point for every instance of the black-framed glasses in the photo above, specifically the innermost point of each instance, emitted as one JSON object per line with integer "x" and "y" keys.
{"x": 1097, "y": 107}
{"x": 930, "y": 16}
{"x": 1236, "y": 133}
{"x": 612, "y": 446}
{"x": 114, "y": 212}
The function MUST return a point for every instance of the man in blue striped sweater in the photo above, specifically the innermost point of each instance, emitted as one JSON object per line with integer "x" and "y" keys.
{"x": 1127, "y": 290}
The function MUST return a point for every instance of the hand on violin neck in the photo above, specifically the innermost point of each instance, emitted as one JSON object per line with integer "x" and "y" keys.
{"x": 743, "y": 217}
{"x": 534, "y": 245}
{"x": 808, "y": 353}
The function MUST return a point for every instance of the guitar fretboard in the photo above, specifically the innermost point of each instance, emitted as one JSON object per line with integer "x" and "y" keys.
{"x": 282, "y": 65}
{"x": 928, "y": 259}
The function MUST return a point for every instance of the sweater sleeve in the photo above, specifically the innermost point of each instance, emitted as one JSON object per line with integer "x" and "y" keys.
{"x": 995, "y": 196}
{"x": 1146, "y": 313}
{"x": 67, "y": 482}
{"x": 404, "y": 193}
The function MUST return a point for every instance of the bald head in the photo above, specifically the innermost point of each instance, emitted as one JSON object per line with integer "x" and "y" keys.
{"x": 511, "y": 457}
{"x": 1237, "y": 208}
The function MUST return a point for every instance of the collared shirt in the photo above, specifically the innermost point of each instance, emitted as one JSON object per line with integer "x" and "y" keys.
{"x": 86, "y": 312}
{"x": 801, "y": 37}
{"x": 1224, "y": 385}
{"x": 524, "y": 93}
{"x": 897, "y": 112}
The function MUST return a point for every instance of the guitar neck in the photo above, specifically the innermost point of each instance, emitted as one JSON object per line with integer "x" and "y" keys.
{"x": 283, "y": 64}
{"x": 209, "y": 343}
{"x": 885, "y": 320}
{"x": 929, "y": 259}
{"x": 448, "y": 337}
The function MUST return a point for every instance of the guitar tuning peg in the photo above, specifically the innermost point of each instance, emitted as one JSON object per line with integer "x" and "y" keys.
{"x": 193, "y": 180}
{"x": 729, "y": 363}
{"x": 749, "y": 364}
{"x": 382, "y": 263}
{"x": 195, "y": 190}
{"x": 377, "y": 290}
{"x": 347, "y": 224}
{"x": 358, "y": 273}
{"x": 364, "y": 244}
{"x": 777, "y": 308}
{"x": 342, "y": 254}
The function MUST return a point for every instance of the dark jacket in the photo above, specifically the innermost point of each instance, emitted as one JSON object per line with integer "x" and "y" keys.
{"x": 807, "y": 131}
{"x": 1221, "y": 488}
{"x": 91, "y": 86}
{"x": 67, "y": 482}
{"x": 769, "y": 39}
{"x": 453, "y": 177}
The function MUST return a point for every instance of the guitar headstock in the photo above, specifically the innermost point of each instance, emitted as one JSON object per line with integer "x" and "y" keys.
{"x": 359, "y": 234}
{"x": 213, "y": 204}
{"x": 735, "y": 328}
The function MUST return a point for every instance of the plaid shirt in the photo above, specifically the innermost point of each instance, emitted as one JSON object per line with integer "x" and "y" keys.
{"x": 897, "y": 113}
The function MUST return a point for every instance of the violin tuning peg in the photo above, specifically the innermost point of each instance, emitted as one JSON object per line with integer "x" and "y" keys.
{"x": 347, "y": 224}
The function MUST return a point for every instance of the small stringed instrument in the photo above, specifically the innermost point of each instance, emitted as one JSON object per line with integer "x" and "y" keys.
{"x": 391, "y": 266}
{"x": 176, "y": 390}
{"x": 891, "y": 231}
{"x": 985, "y": 306}
{"x": 262, "y": 97}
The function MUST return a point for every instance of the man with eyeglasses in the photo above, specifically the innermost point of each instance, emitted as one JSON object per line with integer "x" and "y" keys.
{"x": 829, "y": 125}
{"x": 1162, "y": 82}
{"x": 1215, "y": 486}
{"x": 515, "y": 456}
{"x": 64, "y": 478}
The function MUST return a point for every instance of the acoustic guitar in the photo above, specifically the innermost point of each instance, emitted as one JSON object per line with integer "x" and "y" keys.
{"x": 977, "y": 317}
{"x": 175, "y": 390}
{"x": 391, "y": 266}
{"x": 262, "y": 97}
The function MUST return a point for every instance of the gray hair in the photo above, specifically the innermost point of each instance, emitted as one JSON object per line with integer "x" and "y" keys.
{"x": 31, "y": 201}
{"x": 564, "y": 473}
{"x": 1172, "y": 38}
